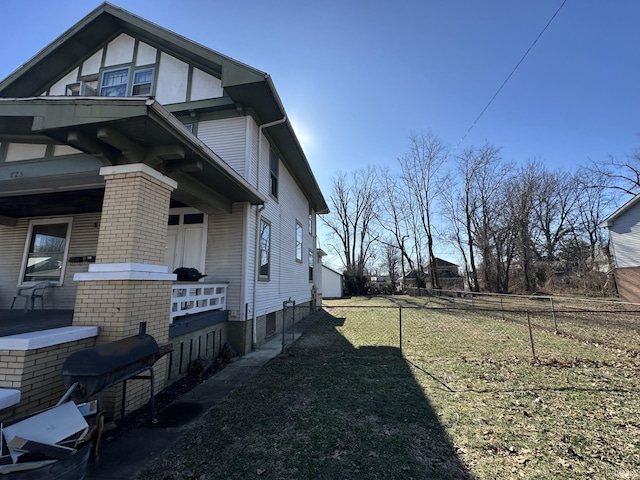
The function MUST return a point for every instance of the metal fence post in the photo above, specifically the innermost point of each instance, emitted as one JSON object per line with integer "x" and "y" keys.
{"x": 293, "y": 324}
{"x": 533, "y": 350}
{"x": 284, "y": 321}
{"x": 502, "y": 307}
{"x": 400, "y": 327}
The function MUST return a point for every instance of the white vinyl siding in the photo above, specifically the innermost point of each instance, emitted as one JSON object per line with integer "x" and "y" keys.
{"x": 288, "y": 277}
{"x": 625, "y": 238}
{"x": 83, "y": 242}
{"x": 224, "y": 257}
{"x": 227, "y": 138}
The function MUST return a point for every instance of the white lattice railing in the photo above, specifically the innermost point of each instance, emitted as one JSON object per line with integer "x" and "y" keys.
{"x": 195, "y": 297}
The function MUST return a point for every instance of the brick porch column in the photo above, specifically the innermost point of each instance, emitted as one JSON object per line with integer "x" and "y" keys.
{"x": 129, "y": 284}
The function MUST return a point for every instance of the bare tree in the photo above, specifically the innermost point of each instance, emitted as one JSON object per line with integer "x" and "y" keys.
{"x": 422, "y": 175}
{"x": 487, "y": 222}
{"x": 465, "y": 201}
{"x": 620, "y": 175}
{"x": 393, "y": 218}
{"x": 554, "y": 209}
{"x": 353, "y": 201}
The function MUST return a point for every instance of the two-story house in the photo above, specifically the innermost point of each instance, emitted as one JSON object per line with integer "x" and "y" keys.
{"x": 127, "y": 151}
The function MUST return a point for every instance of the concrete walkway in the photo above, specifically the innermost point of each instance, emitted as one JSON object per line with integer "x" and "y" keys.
{"x": 128, "y": 454}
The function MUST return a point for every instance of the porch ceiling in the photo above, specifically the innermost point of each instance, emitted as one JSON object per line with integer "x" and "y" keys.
{"x": 50, "y": 204}
{"x": 114, "y": 132}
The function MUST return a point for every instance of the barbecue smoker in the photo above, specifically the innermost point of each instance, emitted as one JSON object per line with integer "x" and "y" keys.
{"x": 94, "y": 370}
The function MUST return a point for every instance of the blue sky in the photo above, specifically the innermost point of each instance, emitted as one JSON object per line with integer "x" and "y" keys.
{"x": 358, "y": 77}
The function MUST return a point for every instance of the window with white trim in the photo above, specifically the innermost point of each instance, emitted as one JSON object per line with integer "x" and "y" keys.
{"x": 310, "y": 220}
{"x": 115, "y": 83}
{"x": 46, "y": 251}
{"x": 311, "y": 262}
{"x": 265, "y": 250}
{"x": 298, "y": 242}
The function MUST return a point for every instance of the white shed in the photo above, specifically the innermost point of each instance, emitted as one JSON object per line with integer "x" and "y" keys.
{"x": 331, "y": 283}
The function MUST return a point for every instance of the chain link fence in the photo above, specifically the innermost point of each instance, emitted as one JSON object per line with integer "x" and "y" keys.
{"x": 478, "y": 327}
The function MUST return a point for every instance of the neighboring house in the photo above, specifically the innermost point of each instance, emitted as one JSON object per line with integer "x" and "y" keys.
{"x": 332, "y": 283}
{"x": 445, "y": 269}
{"x": 624, "y": 234}
{"x": 127, "y": 151}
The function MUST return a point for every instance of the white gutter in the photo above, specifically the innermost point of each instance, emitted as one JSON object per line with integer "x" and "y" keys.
{"x": 259, "y": 208}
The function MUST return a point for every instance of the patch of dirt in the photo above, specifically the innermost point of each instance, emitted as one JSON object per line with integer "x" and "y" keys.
{"x": 142, "y": 416}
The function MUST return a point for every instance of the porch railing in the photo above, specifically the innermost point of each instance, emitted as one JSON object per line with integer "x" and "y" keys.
{"x": 194, "y": 297}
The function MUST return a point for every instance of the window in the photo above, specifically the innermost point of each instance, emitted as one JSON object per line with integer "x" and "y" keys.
{"x": 311, "y": 261}
{"x": 298, "y": 242}
{"x": 115, "y": 83}
{"x": 80, "y": 89}
{"x": 142, "y": 82}
{"x": 46, "y": 251}
{"x": 273, "y": 171}
{"x": 265, "y": 249}
{"x": 310, "y": 220}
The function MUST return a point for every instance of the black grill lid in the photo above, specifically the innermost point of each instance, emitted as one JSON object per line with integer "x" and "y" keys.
{"x": 110, "y": 357}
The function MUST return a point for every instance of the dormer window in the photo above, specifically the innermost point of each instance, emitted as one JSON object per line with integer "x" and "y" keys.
{"x": 142, "y": 82}
{"x": 114, "y": 83}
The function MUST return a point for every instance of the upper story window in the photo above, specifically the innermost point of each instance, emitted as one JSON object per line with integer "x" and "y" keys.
{"x": 80, "y": 89}
{"x": 273, "y": 173}
{"x": 310, "y": 220}
{"x": 115, "y": 83}
{"x": 142, "y": 82}
{"x": 298, "y": 242}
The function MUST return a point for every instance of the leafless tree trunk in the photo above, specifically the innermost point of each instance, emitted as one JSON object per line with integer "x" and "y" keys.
{"x": 393, "y": 219}
{"x": 353, "y": 206}
{"x": 554, "y": 206}
{"x": 422, "y": 175}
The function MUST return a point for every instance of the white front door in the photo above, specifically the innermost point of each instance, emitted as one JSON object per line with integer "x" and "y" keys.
{"x": 186, "y": 239}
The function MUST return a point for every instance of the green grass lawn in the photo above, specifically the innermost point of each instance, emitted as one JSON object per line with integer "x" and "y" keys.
{"x": 463, "y": 399}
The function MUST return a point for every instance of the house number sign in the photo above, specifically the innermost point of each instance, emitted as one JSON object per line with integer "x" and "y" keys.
{"x": 16, "y": 174}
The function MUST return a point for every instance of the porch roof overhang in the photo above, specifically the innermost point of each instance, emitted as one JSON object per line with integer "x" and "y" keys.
{"x": 112, "y": 131}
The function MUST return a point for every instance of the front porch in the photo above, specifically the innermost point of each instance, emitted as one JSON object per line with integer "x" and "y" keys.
{"x": 35, "y": 343}
{"x": 14, "y": 322}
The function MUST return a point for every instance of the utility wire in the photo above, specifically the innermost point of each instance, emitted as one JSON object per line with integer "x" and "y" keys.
{"x": 508, "y": 77}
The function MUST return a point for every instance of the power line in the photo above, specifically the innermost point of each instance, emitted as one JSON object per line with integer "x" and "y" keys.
{"x": 508, "y": 77}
